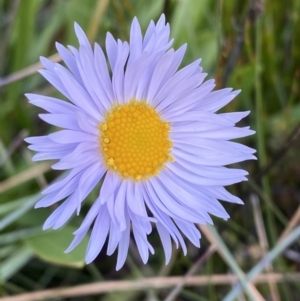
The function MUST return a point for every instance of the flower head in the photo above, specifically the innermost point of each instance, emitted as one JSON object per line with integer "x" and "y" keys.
{"x": 149, "y": 131}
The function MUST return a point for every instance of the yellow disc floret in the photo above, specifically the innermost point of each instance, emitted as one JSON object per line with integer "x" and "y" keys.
{"x": 135, "y": 140}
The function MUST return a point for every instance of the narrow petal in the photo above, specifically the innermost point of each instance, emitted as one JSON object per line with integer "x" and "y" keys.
{"x": 61, "y": 120}
{"x": 120, "y": 205}
{"x": 82, "y": 38}
{"x": 90, "y": 217}
{"x": 158, "y": 75}
{"x": 140, "y": 237}
{"x": 85, "y": 158}
{"x": 52, "y": 105}
{"x": 174, "y": 81}
{"x": 68, "y": 59}
{"x": 102, "y": 73}
{"x": 177, "y": 94}
{"x": 69, "y": 136}
{"x": 204, "y": 157}
{"x": 98, "y": 236}
{"x": 136, "y": 205}
{"x": 195, "y": 127}
{"x": 123, "y": 245}
{"x": 182, "y": 200}
{"x": 76, "y": 241}
{"x": 194, "y": 178}
{"x": 55, "y": 81}
{"x": 62, "y": 182}
{"x": 136, "y": 41}
{"x": 52, "y": 147}
{"x": 114, "y": 238}
{"x": 90, "y": 178}
{"x": 110, "y": 202}
{"x": 217, "y": 100}
{"x": 86, "y": 124}
{"x": 222, "y": 194}
{"x": 165, "y": 240}
{"x": 106, "y": 193}
{"x": 200, "y": 117}
{"x": 177, "y": 59}
{"x": 50, "y": 155}
{"x": 194, "y": 196}
{"x": 91, "y": 81}
{"x": 77, "y": 93}
{"x": 111, "y": 50}
{"x": 223, "y": 134}
{"x": 68, "y": 211}
{"x": 190, "y": 231}
{"x": 51, "y": 220}
{"x": 118, "y": 71}
{"x": 188, "y": 101}
{"x": 235, "y": 116}
{"x": 168, "y": 204}
{"x": 56, "y": 196}
{"x": 149, "y": 32}
{"x": 137, "y": 74}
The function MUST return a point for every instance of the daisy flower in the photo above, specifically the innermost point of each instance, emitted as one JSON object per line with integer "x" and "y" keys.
{"x": 148, "y": 131}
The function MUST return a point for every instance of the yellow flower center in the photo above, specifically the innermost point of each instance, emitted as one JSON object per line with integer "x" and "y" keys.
{"x": 135, "y": 141}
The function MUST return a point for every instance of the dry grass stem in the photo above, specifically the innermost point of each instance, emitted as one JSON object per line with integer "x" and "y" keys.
{"x": 40, "y": 178}
{"x": 263, "y": 241}
{"x": 291, "y": 225}
{"x": 96, "y": 19}
{"x": 26, "y": 71}
{"x": 205, "y": 230}
{"x": 22, "y": 177}
{"x": 193, "y": 270}
{"x": 142, "y": 284}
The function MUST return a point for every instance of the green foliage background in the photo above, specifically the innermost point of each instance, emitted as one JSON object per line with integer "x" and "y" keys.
{"x": 251, "y": 45}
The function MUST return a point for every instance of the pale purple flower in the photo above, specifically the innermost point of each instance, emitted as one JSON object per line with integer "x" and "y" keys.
{"x": 149, "y": 130}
